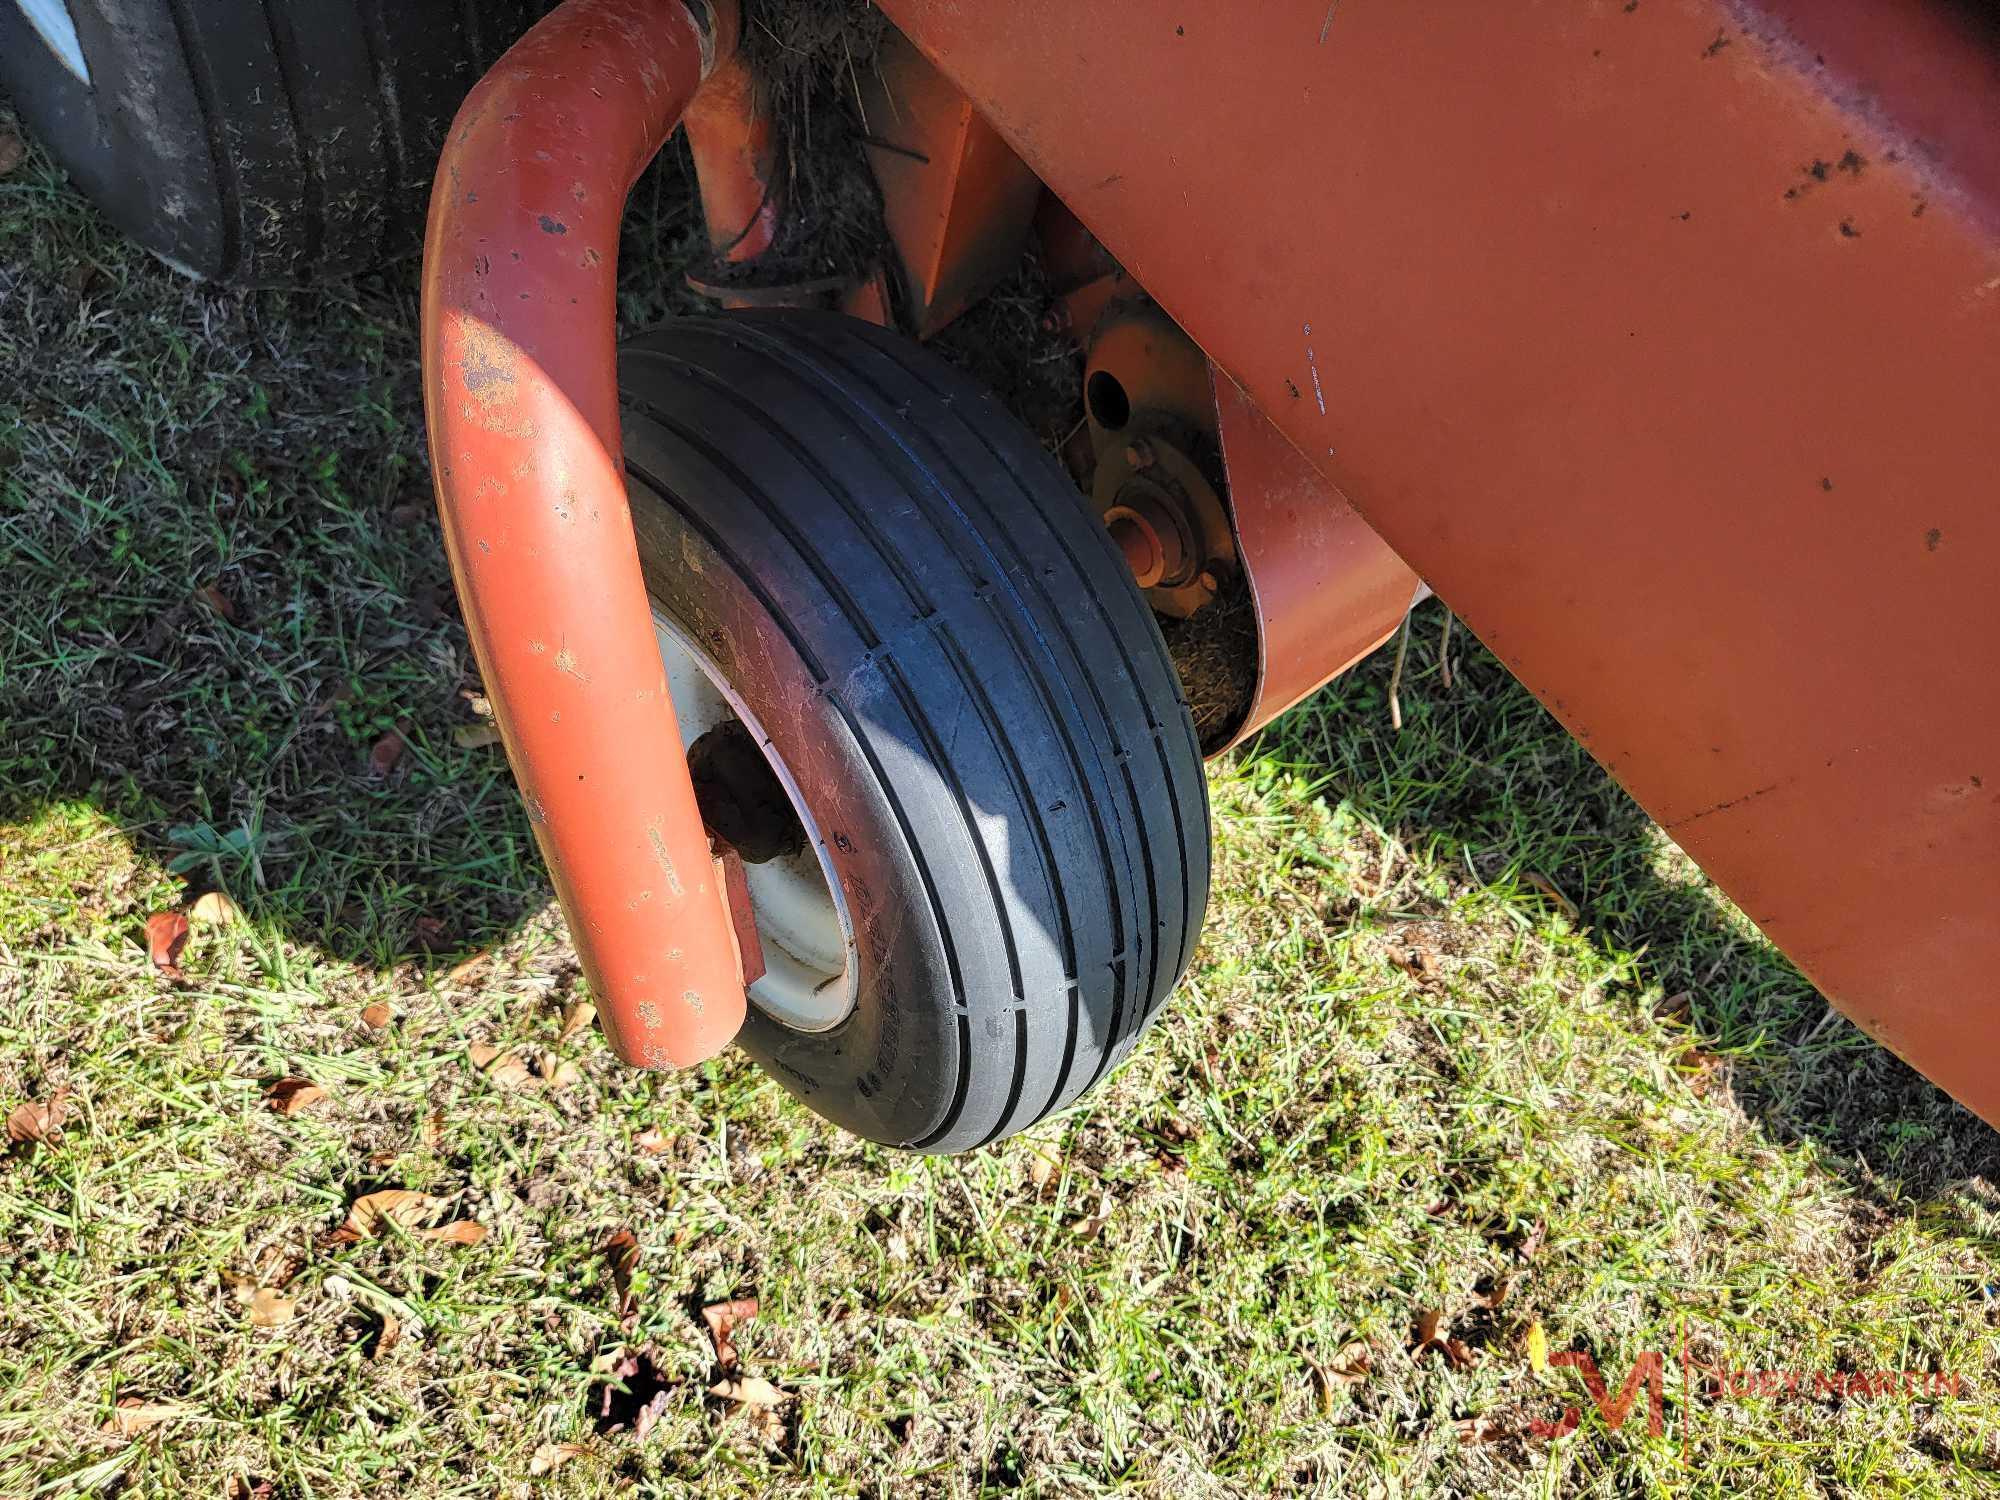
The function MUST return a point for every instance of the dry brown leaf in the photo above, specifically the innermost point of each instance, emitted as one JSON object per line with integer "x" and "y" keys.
{"x": 562, "y": 1074}
{"x": 1532, "y": 1245}
{"x": 1494, "y": 1295}
{"x": 651, "y": 1141}
{"x": 1480, "y": 1430}
{"x": 750, "y": 1390}
{"x": 293, "y": 1096}
{"x": 576, "y": 1017}
{"x": 723, "y": 1319}
{"x": 214, "y": 908}
{"x": 389, "y": 1337}
{"x": 476, "y": 736}
{"x": 457, "y": 1232}
{"x": 431, "y": 1130}
{"x": 38, "y": 1124}
{"x": 621, "y": 1252}
{"x": 1044, "y": 1160}
{"x": 134, "y": 1415}
{"x": 377, "y": 1017}
{"x": 1675, "y": 1007}
{"x": 268, "y": 1309}
{"x": 211, "y": 594}
{"x": 464, "y": 969}
{"x": 552, "y": 1456}
{"x": 13, "y": 151}
{"x": 385, "y": 752}
{"x": 248, "y": 1487}
{"x": 504, "y": 1070}
{"x": 1350, "y": 1366}
{"x": 373, "y": 1213}
{"x": 166, "y": 936}
{"x": 1430, "y": 1335}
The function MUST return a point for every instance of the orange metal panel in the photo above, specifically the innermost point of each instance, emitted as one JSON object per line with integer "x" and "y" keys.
{"x": 521, "y": 393}
{"x": 1667, "y": 355}
{"x": 1327, "y": 589}
{"x": 956, "y": 199}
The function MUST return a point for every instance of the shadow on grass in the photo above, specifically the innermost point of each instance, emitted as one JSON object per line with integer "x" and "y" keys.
{"x": 1490, "y": 783}
{"x": 227, "y": 607}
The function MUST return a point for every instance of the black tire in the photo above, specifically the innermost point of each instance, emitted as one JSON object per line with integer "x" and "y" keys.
{"x": 257, "y": 141}
{"x": 950, "y": 656}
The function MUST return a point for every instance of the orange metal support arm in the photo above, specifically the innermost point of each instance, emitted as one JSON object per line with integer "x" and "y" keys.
{"x": 1663, "y": 341}
{"x": 521, "y": 393}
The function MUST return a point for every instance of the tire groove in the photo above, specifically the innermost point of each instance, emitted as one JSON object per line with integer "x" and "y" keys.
{"x": 312, "y": 185}
{"x": 228, "y": 189}
{"x": 1122, "y": 1024}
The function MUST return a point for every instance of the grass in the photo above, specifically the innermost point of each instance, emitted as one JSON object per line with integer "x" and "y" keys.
{"x": 1466, "y": 1035}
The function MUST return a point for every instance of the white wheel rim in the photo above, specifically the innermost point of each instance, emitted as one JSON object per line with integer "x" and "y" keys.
{"x": 52, "y": 23}
{"x": 802, "y": 922}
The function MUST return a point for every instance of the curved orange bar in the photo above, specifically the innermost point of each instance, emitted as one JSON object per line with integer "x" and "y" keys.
{"x": 521, "y": 393}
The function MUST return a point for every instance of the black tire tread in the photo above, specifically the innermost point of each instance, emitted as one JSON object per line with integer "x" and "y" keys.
{"x": 1031, "y": 613}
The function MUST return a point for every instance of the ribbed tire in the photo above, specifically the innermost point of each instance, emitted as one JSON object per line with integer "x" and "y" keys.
{"x": 950, "y": 656}
{"x": 256, "y": 141}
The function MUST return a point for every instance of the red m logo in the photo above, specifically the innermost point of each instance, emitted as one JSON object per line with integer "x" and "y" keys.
{"x": 1649, "y": 1368}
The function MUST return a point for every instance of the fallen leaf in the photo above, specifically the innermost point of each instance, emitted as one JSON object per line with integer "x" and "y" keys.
{"x": 13, "y": 150}
{"x": 431, "y": 933}
{"x": 270, "y": 1310}
{"x": 166, "y": 936}
{"x": 621, "y": 1252}
{"x": 504, "y": 1070}
{"x": 1480, "y": 1430}
{"x": 212, "y": 595}
{"x": 293, "y": 1096}
{"x": 249, "y": 1487}
{"x": 750, "y": 1390}
{"x": 431, "y": 1130}
{"x": 1532, "y": 1245}
{"x": 385, "y": 752}
{"x": 377, "y": 1017}
{"x": 1350, "y": 1366}
{"x": 476, "y": 736}
{"x": 651, "y": 1141}
{"x": 552, "y": 1456}
{"x": 565, "y": 1074}
{"x": 1537, "y": 1341}
{"x": 466, "y": 968}
{"x": 38, "y": 1124}
{"x": 1093, "y": 1226}
{"x": 134, "y": 1415}
{"x": 1675, "y": 1007}
{"x": 1494, "y": 1295}
{"x": 390, "y": 1335}
{"x": 1043, "y": 1163}
{"x": 214, "y": 908}
{"x": 576, "y": 1017}
{"x": 457, "y": 1232}
{"x": 1430, "y": 1335}
{"x": 373, "y": 1213}
{"x": 723, "y": 1319}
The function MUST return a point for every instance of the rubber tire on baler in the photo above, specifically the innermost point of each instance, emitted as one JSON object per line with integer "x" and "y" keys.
{"x": 259, "y": 142}
{"x": 950, "y": 655}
